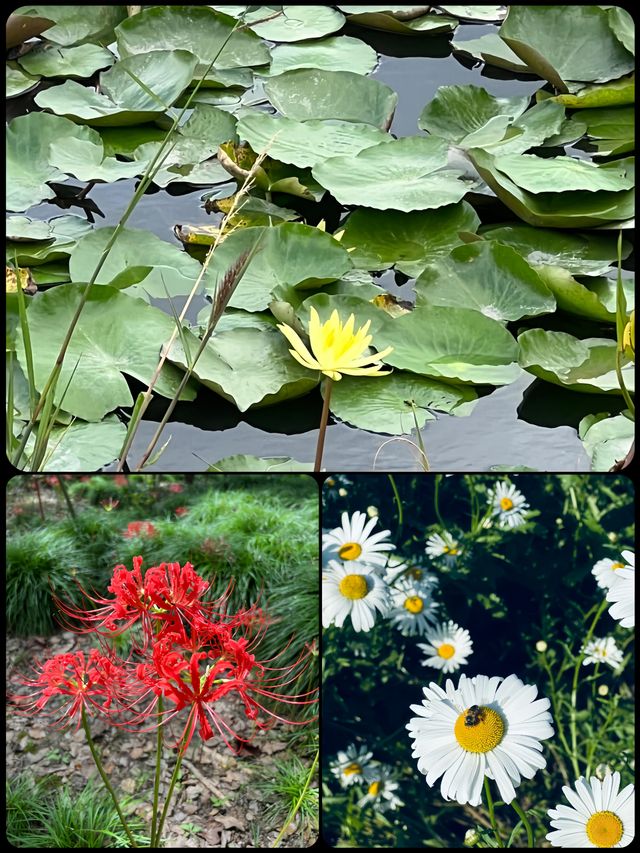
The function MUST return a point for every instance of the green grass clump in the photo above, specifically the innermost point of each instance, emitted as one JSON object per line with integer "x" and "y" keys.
{"x": 286, "y": 788}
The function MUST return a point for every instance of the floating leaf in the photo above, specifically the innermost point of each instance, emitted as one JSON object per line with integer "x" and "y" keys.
{"x": 17, "y": 81}
{"x": 85, "y": 446}
{"x": 297, "y": 23}
{"x": 86, "y": 161}
{"x": 606, "y": 439}
{"x": 182, "y": 164}
{"x": 618, "y": 93}
{"x": 81, "y": 61}
{"x": 490, "y": 14}
{"x": 77, "y": 24}
{"x": 621, "y": 23}
{"x": 244, "y": 462}
{"x": 490, "y": 48}
{"x": 407, "y": 20}
{"x": 124, "y": 140}
{"x": 562, "y": 174}
{"x": 338, "y": 53}
{"x": 595, "y": 298}
{"x": 63, "y": 235}
{"x": 25, "y": 230}
{"x": 612, "y": 127}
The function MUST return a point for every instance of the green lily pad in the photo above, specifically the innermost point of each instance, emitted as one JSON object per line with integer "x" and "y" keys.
{"x": 245, "y": 462}
{"x": 613, "y": 128}
{"x": 306, "y": 143}
{"x": 198, "y": 29}
{"x": 249, "y": 367}
{"x": 606, "y": 439}
{"x": 182, "y": 163}
{"x": 543, "y": 124}
{"x": 63, "y": 235}
{"x": 488, "y": 277}
{"x": 271, "y": 176}
{"x": 124, "y": 140}
{"x": 405, "y": 174}
{"x": 160, "y": 270}
{"x": 490, "y": 48}
{"x": 77, "y": 24}
{"x": 211, "y": 125}
{"x": 25, "y": 230}
{"x": 290, "y": 255}
{"x": 87, "y": 161}
{"x": 407, "y": 20}
{"x": 489, "y": 14}
{"x": 311, "y": 93}
{"x": 115, "y": 334}
{"x": 383, "y": 404}
{"x": 617, "y": 93}
{"x": 297, "y": 23}
{"x": 17, "y": 81}
{"x": 57, "y": 272}
{"x": 583, "y": 365}
{"x": 540, "y": 36}
{"x": 123, "y": 100}
{"x": 380, "y": 239}
{"x": 53, "y": 61}
{"x": 595, "y": 298}
{"x": 83, "y": 446}
{"x": 621, "y": 23}
{"x": 457, "y": 344}
{"x": 562, "y": 174}
{"x": 580, "y": 254}
{"x": 338, "y": 53}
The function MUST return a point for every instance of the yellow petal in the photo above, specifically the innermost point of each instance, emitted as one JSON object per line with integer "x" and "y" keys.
{"x": 294, "y": 339}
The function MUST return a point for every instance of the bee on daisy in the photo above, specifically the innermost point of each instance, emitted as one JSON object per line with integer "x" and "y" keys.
{"x": 413, "y": 608}
{"x": 442, "y": 546}
{"x": 353, "y": 590}
{"x": 354, "y": 540}
{"x": 447, "y": 648}
{"x": 602, "y": 651}
{"x": 599, "y": 814}
{"x": 605, "y": 570}
{"x": 381, "y": 788}
{"x": 508, "y": 504}
{"x": 349, "y": 766}
{"x": 622, "y": 593}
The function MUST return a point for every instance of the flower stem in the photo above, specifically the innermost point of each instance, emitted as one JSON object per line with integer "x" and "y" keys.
{"x": 492, "y": 816}
{"x": 524, "y": 820}
{"x": 105, "y": 778}
{"x": 156, "y": 784}
{"x": 172, "y": 784}
{"x": 328, "y": 385}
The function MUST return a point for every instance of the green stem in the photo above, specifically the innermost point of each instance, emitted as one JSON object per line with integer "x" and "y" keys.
{"x": 295, "y": 808}
{"x": 492, "y": 816}
{"x": 65, "y": 494}
{"x": 172, "y": 784}
{"x": 526, "y": 823}
{"x": 436, "y": 502}
{"x": 156, "y": 784}
{"x": 324, "y": 418}
{"x": 398, "y": 504}
{"x": 556, "y": 707}
{"x": 105, "y": 779}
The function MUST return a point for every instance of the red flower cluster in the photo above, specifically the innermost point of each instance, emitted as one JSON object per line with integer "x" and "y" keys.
{"x": 181, "y": 510}
{"x": 186, "y": 649}
{"x": 139, "y": 528}
{"x": 176, "y": 488}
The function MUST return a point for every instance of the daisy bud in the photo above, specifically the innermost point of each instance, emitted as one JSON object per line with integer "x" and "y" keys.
{"x": 541, "y": 646}
{"x": 603, "y": 690}
{"x": 342, "y": 493}
{"x": 372, "y": 511}
{"x": 603, "y": 770}
{"x": 612, "y": 537}
{"x": 471, "y": 837}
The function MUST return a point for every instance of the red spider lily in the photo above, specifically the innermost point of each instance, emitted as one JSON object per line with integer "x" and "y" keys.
{"x": 181, "y": 510}
{"x": 139, "y": 528}
{"x": 109, "y": 505}
{"x": 176, "y": 488}
{"x": 120, "y": 480}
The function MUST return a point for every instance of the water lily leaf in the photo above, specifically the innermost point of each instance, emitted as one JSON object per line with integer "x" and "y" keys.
{"x": 298, "y": 22}
{"x": 408, "y": 20}
{"x": 77, "y": 24}
{"x": 488, "y": 277}
{"x": 583, "y": 365}
{"x": 538, "y": 34}
{"x": 338, "y": 53}
{"x": 621, "y": 23}
{"x": 618, "y": 93}
{"x": 543, "y": 124}
{"x": 124, "y": 140}
{"x": 25, "y": 230}
{"x": 490, "y": 48}
{"x": 123, "y": 100}
{"x": 606, "y": 439}
{"x": 307, "y": 143}
{"x": 595, "y": 298}
{"x": 63, "y": 235}
{"x": 211, "y": 125}
{"x": 56, "y": 272}
{"x": 490, "y": 14}
{"x": 289, "y": 255}
{"x": 562, "y": 174}
{"x": 580, "y": 254}
{"x": 405, "y": 174}
{"x": 458, "y": 344}
{"x": 87, "y": 161}
{"x": 249, "y": 367}
{"x": 410, "y": 240}
{"x": 612, "y": 127}
{"x": 272, "y": 175}
{"x": 17, "y": 81}
{"x": 457, "y": 113}
{"x": 115, "y": 335}
{"x": 27, "y": 151}
{"x": 83, "y": 446}
{"x": 198, "y": 29}
{"x": 245, "y": 462}
{"x": 182, "y": 163}
{"x": 167, "y": 269}
{"x": 81, "y": 61}
{"x": 316, "y": 94}
{"x": 384, "y": 404}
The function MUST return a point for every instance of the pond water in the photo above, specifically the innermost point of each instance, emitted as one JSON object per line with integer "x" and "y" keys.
{"x": 209, "y": 429}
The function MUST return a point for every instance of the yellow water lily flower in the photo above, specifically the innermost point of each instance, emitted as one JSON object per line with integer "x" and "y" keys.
{"x": 336, "y": 348}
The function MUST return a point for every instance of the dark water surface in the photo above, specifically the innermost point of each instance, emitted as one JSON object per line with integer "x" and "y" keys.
{"x": 209, "y": 429}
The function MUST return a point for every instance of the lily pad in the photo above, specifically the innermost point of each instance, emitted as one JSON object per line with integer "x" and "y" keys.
{"x": 317, "y": 94}
{"x": 63, "y": 235}
{"x": 385, "y": 404}
{"x": 307, "y": 143}
{"x": 124, "y": 140}
{"x": 405, "y": 174}
{"x": 87, "y": 161}
{"x": 81, "y": 61}
{"x": 579, "y": 254}
{"x": 271, "y": 176}
{"x": 83, "y": 446}
{"x": 490, "y": 48}
{"x": 17, "y": 81}
{"x": 25, "y": 230}
{"x": 77, "y": 24}
{"x": 606, "y": 439}
{"x": 562, "y": 174}
{"x": 249, "y": 367}
{"x": 595, "y": 298}
{"x": 297, "y": 23}
{"x": 539, "y": 36}
{"x": 407, "y": 20}
{"x": 617, "y": 93}
{"x": 338, "y": 53}
{"x": 290, "y": 255}
{"x": 244, "y": 462}
{"x": 583, "y": 365}
{"x": 380, "y": 239}
{"x": 136, "y": 89}
{"x": 621, "y": 23}
{"x": 543, "y": 124}
{"x": 488, "y": 14}
{"x": 115, "y": 335}
{"x": 198, "y": 29}
{"x": 182, "y": 164}
{"x": 613, "y": 128}
{"x": 490, "y": 278}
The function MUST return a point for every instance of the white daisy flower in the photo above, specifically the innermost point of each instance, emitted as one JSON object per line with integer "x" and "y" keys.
{"x": 485, "y": 727}
{"x": 508, "y": 504}
{"x": 599, "y": 817}
{"x": 353, "y": 541}
{"x": 443, "y": 545}
{"x": 352, "y": 590}
{"x": 397, "y": 567}
{"x": 381, "y": 788}
{"x": 622, "y": 594}
{"x": 413, "y": 607}
{"x": 350, "y": 766}
{"x": 605, "y": 571}
{"x": 448, "y": 648}
{"x": 602, "y": 651}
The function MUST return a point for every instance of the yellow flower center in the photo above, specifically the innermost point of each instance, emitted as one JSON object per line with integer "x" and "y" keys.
{"x": 350, "y": 551}
{"x": 506, "y": 503}
{"x": 479, "y": 729}
{"x": 616, "y": 566}
{"x": 414, "y": 604}
{"x": 354, "y": 586}
{"x": 446, "y": 651}
{"x": 352, "y": 768}
{"x": 374, "y": 787}
{"x": 604, "y": 829}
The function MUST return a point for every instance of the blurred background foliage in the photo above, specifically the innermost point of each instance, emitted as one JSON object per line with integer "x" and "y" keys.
{"x": 510, "y": 589}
